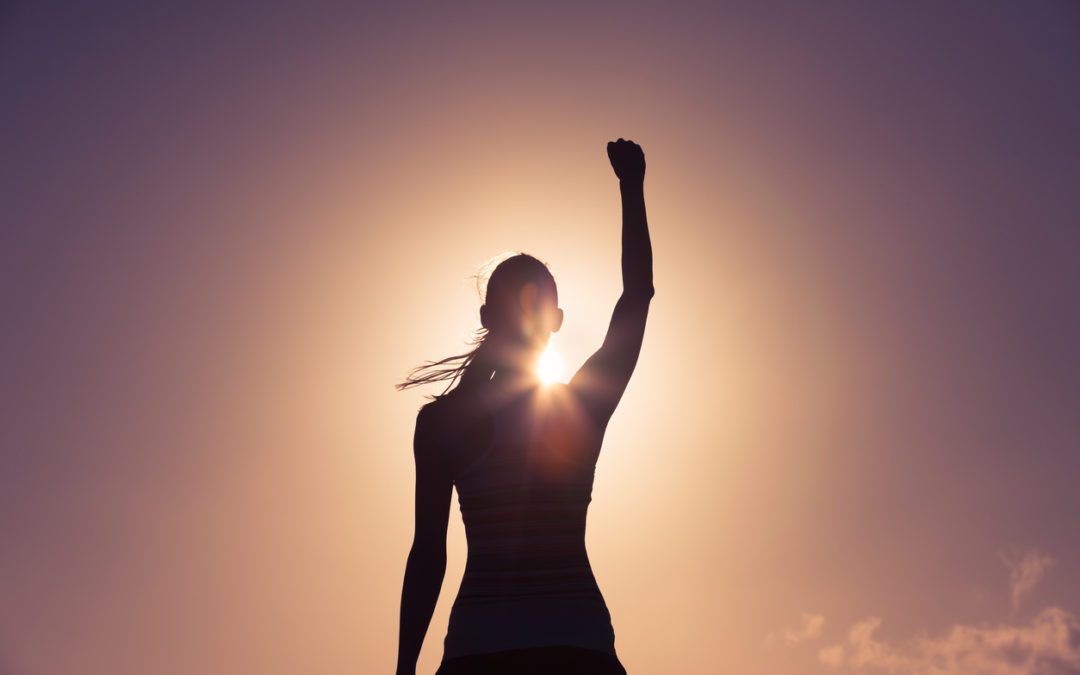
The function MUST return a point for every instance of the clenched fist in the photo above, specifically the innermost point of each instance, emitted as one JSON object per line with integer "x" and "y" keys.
{"x": 627, "y": 159}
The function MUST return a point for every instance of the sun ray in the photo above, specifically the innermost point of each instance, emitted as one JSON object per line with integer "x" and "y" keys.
{"x": 550, "y": 368}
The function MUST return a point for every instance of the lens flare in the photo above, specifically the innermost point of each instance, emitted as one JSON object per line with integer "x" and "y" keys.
{"x": 550, "y": 368}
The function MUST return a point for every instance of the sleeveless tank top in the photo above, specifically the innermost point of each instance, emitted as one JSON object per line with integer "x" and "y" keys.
{"x": 527, "y": 580}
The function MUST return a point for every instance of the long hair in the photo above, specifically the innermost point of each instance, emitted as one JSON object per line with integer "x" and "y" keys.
{"x": 477, "y": 365}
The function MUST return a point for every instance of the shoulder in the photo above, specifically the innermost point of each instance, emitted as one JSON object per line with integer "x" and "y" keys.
{"x": 580, "y": 398}
{"x": 440, "y": 414}
{"x": 430, "y": 421}
{"x": 428, "y": 440}
{"x": 427, "y": 414}
{"x": 445, "y": 423}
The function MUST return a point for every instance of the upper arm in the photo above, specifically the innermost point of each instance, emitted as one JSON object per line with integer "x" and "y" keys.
{"x": 601, "y": 381}
{"x": 434, "y": 484}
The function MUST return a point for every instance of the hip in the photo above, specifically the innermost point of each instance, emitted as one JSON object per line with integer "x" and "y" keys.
{"x": 560, "y": 659}
{"x": 501, "y": 624}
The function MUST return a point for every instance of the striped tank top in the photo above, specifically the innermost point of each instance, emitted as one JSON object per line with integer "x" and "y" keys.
{"x": 527, "y": 581}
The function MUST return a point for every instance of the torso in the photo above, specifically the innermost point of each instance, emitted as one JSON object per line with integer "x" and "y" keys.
{"x": 523, "y": 467}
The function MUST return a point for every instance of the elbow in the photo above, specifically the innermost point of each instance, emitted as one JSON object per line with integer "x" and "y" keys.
{"x": 426, "y": 564}
{"x": 640, "y": 293}
{"x": 428, "y": 553}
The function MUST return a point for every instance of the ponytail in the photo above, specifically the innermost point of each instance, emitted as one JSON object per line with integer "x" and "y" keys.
{"x": 468, "y": 370}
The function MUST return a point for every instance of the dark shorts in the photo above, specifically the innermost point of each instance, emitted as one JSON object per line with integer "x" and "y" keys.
{"x": 535, "y": 661}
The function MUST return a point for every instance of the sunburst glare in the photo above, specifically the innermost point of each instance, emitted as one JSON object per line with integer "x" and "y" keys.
{"x": 550, "y": 368}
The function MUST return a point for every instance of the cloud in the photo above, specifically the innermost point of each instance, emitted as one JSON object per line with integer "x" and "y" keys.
{"x": 809, "y": 629}
{"x": 832, "y": 656}
{"x": 1024, "y": 572}
{"x": 1049, "y": 645}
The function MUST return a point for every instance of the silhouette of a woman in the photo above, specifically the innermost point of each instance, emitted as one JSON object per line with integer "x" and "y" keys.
{"x": 523, "y": 457}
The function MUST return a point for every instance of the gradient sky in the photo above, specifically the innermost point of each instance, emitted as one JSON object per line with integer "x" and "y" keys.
{"x": 851, "y": 444}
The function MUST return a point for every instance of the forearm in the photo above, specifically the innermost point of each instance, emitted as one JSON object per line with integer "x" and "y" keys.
{"x": 424, "y": 573}
{"x": 637, "y": 273}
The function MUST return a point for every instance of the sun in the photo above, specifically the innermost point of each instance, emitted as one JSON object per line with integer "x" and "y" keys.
{"x": 550, "y": 369}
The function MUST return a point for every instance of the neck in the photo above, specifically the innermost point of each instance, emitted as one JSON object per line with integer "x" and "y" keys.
{"x": 515, "y": 374}
{"x": 515, "y": 365}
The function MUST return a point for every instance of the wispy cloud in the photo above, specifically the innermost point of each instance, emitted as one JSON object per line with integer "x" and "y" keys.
{"x": 1049, "y": 645}
{"x": 832, "y": 656}
{"x": 1025, "y": 570}
{"x": 810, "y": 628}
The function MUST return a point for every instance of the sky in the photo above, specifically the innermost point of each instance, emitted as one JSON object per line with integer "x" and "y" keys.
{"x": 851, "y": 442}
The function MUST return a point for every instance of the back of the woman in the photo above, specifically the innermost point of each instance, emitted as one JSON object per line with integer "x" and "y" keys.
{"x": 524, "y": 497}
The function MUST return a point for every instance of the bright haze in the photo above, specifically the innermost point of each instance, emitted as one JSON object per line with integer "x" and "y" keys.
{"x": 851, "y": 442}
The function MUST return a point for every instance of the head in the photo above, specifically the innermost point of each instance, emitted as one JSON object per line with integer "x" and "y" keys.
{"x": 519, "y": 314}
{"x": 521, "y": 306}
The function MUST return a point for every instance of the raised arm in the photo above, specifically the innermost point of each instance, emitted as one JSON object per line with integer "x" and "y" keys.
{"x": 600, "y": 383}
{"x": 427, "y": 559}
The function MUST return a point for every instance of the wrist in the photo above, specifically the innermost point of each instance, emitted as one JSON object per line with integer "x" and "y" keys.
{"x": 633, "y": 184}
